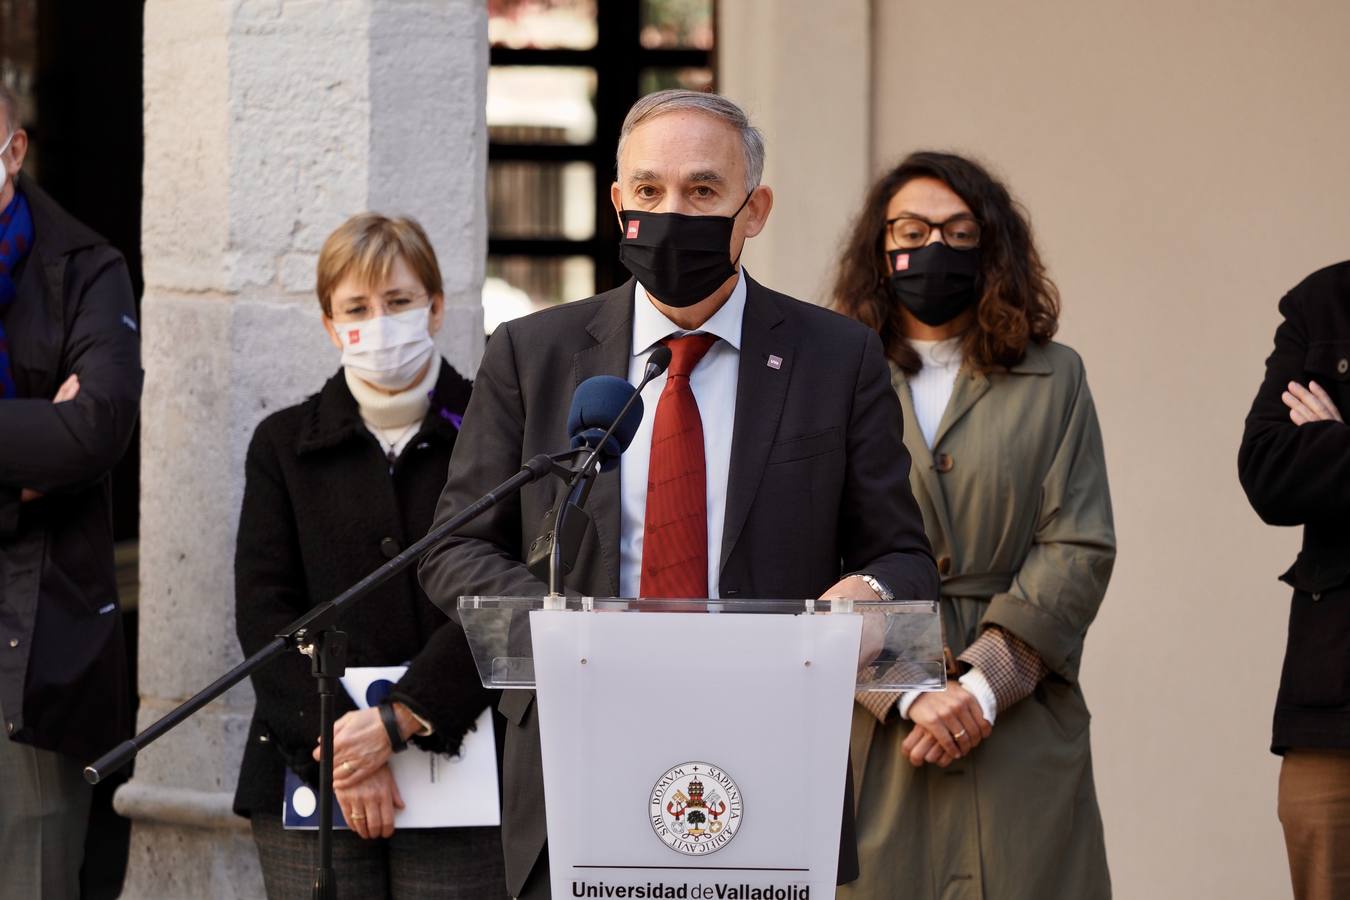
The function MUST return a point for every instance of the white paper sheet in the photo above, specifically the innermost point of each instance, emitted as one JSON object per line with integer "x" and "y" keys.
{"x": 438, "y": 791}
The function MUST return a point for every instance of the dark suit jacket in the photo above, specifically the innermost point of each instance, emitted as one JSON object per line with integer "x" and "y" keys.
{"x": 1300, "y": 475}
{"x": 818, "y": 487}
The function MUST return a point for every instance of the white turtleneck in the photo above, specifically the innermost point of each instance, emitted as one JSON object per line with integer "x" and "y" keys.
{"x": 931, "y": 387}
{"x": 394, "y": 418}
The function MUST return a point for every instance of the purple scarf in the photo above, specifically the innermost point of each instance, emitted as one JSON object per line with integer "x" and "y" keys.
{"x": 16, "y": 239}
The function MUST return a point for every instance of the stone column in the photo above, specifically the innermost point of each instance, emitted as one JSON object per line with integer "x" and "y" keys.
{"x": 266, "y": 124}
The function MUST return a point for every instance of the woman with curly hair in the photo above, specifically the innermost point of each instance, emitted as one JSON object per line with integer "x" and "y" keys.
{"x": 985, "y": 789}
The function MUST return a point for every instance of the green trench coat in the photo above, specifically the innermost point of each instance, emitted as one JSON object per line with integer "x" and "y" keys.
{"x": 1020, "y": 522}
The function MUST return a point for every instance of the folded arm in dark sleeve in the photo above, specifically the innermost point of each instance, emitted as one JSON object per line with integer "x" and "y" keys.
{"x": 50, "y": 446}
{"x": 881, "y": 526}
{"x": 1292, "y": 473}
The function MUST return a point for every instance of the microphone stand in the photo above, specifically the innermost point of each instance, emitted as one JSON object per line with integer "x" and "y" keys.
{"x": 315, "y": 634}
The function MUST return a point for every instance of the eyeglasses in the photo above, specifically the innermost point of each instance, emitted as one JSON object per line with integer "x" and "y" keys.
{"x": 362, "y": 309}
{"x": 8, "y": 140}
{"x": 960, "y": 232}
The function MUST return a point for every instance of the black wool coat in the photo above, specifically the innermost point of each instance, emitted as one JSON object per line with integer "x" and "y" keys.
{"x": 322, "y": 509}
{"x": 63, "y": 668}
{"x": 1300, "y": 475}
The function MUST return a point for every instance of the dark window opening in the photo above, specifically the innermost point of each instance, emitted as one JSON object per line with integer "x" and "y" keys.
{"x": 563, "y": 76}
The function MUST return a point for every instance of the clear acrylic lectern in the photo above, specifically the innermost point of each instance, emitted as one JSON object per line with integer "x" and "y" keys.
{"x": 901, "y": 646}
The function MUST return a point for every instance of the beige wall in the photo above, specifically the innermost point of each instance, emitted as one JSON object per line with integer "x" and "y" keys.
{"x": 814, "y": 117}
{"x": 1184, "y": 163}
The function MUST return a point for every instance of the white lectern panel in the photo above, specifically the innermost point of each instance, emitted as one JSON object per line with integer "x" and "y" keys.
{"x": 694, "y": 755}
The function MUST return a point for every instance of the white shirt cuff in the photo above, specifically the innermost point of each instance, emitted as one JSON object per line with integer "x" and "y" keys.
{"x": 426, "y": 728}
{"x": 975, "y": 682}
{"x": 906, "y": 701}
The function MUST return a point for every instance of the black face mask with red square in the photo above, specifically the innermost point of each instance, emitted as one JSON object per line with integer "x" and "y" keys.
{"x": 935, "y": 282}
{"x": 679, "y": 259}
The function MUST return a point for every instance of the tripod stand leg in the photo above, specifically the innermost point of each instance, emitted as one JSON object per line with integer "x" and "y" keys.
{"x": 328, "y": 656}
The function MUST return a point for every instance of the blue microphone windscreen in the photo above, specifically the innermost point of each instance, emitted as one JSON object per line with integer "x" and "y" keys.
{"x": 595, "y": 405}
{"x": 609, "y": 456}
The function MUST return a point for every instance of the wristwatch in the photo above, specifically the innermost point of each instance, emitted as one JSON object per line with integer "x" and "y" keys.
{"x": 390, "y": 720}
{"x": 882, "y": 591}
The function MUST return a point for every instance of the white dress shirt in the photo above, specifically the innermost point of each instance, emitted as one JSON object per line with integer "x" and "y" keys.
{"x": 714, "y": 383}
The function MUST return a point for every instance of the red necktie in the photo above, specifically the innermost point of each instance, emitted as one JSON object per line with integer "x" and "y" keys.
{"x": 675, "y": 533}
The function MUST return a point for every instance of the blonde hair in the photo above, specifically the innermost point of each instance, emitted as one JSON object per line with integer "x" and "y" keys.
{"x": 366, "y": 246}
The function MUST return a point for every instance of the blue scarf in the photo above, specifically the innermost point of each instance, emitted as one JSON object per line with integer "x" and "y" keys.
{"x": 16, "y": 239}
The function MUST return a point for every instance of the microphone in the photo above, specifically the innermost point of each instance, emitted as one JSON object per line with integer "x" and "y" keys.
{"x": 604, "y": 417}
{"x": 657, "y": 363}
{"x": 606, "y": 412}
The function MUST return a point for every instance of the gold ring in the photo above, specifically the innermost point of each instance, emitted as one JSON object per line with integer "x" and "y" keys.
{"x": 355, "y": 818}
{"x": 960, "y": 734}
{"x": 348, "y": 767}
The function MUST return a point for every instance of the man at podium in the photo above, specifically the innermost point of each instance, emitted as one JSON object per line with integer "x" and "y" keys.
{"x": 768, "y": 463}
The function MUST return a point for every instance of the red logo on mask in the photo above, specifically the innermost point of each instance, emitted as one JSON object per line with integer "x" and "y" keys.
{"x": 633, "y": 229}
{"x": 354, "y": 336}
{"x": 902, "y": 262}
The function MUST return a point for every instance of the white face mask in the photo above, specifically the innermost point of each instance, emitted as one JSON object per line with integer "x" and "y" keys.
{"x": 387, "y": 351}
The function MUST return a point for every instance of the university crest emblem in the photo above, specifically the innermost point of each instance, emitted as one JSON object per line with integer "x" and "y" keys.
{"x": 696, "y": 808}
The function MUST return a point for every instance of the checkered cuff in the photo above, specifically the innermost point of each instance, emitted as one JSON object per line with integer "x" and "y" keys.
{"x": 878, "y": 703}
{"x": 1010, "y": 665}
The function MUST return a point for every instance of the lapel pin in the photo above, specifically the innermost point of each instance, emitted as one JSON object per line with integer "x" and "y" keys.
{"x": 775, "y": 362}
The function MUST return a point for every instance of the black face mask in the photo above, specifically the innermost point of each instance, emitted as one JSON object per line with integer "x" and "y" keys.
{"x": 935, "y": 282}
{"x": 680, "y": 259}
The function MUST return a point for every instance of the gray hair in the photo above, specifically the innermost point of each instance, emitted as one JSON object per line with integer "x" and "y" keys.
{"x": 715, "y": 105}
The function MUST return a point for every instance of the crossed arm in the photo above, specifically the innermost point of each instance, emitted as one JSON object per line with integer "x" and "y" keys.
{"x": 73, "y": 439}
{"x": 69, "y": 390}
{"x": 1310, "y": 404}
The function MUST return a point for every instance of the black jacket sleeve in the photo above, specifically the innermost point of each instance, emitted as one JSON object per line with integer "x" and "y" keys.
{"x": 880, "y": 523}
{"x": 484, "y": 557}
{"x": 9, "y": 511}
{"x": 443, "y": 687}
{"x": 270, "y": 593}
{"x": 1293, "y": 474}
{"x": 50, "y": 446}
